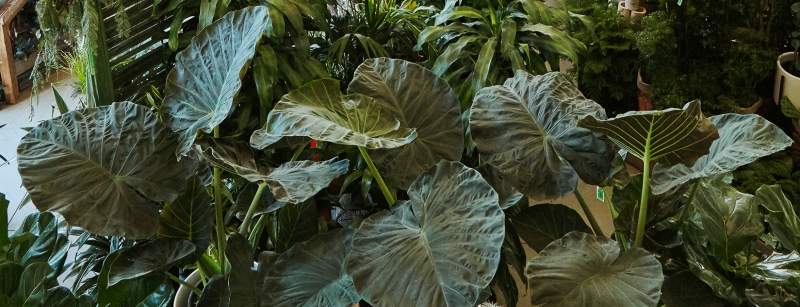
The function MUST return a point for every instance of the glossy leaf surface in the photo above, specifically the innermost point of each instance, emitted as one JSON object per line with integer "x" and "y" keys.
{"x": 539, "y": 225}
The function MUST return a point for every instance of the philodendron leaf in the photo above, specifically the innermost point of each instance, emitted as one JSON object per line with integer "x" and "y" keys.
{"x": 778, "y": 269}
{"x": 294, "y": 181}
{"x": 506, "y": 193}
{"x": 730, "y": 219}
{"x": 743, "y": 138}
{"x": 266, "y": 204}
{"x": 668, "y": 137}
{"x": 626, "y": 203}
{"x": 419, "y": 100}
{"x": 10, "y": 274}
{"x": 320, "y": 111}
{"x": 782, "y": 219}
{"x": 589, "y": 271}
{"x": 439, "y": 248}
{"x": 527, "y": 129}
{"x": 243, "y": 291}
{"x": 312, "y": 273}
{"x": 153, "y": 256}
{"x": 207, "y": 74}
{"x": 541, "y": 224}
{"x": 216, "y": 293}
{"x": 295, "y": 223}
{"x": 112, "y": 162}
{"x": 189, "y": 216}
{"x": 686, "y": 290}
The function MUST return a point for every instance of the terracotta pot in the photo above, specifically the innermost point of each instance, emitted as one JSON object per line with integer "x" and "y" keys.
{"x": 786, "y": 84}
{"x": 752, "y": 109}
{"x": 645, "y": 93}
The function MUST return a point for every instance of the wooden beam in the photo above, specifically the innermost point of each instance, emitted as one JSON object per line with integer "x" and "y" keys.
{"x": 8, "y": 70}
{"x": 11, "y": 8}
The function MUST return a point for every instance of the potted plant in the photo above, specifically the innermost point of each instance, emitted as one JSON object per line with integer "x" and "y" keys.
{"x": 787, "y": 77}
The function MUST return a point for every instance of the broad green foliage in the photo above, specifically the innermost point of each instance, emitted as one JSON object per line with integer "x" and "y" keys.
{"x": 320, "y": 111}
{"x": 667, "y": 137}
{"x": 312, "y": 273}
{"x": 439, "y": 248}
{"x": 541, "y": 224}
{"x": 420, "y": 101}
{"x": 528, "y": 129}
{"x": 294, "y": 223}
{"x": 778, "y": 269}
{"x": 742, "y": 140}
{"x": 590, "y": 271}
{"x": 626, "y": 203}
{"x": 216, "y": 293}
{"x": 149, "y": 290}
{"x": 266, "y": 203}
{"x": 686, "y": 290}
{"x": 154, "y": 256}
{"x": 506, "y": 193}
{"x": 703, "y": 267}
{"x": 730, "y": 219}
{"x": 123, "y": 156}
{"x": 207, "y": 75}
{"x": 243, "y": 290}
{"x": 781, "y": 216}
{"x": 189, "y": 216}
{"x": 294, "y": 181}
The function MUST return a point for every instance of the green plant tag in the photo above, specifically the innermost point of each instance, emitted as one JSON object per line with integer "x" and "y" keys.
{"x": 601, "y": 194}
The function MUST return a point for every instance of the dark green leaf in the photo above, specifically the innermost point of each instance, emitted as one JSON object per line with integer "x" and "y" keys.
{"x": 189, "y": 216}
{"x": 440, "y": 248}
{"x": 154, "y": 256}
{"x": 3, "y": 221}
{"x": 743, "y": 138}
{"x": 686, "y": 290}
{"x": 59, "y": 297}
{"x": 731, "y": 220}
{"x": 783, "y": 220}
{"x": 266, "y": 203}
{"x": 207, "y": 75}
{"x": 483, "y": 64}
{"x": 62, "y": 106}
{"x": 312, "y": 273}
{"x": 541, "y": 224}
{"x": 10, "y": 274}
{"x": 789, "y": 109}
{"x": 507, "y": 194}
{"x": 296, "y": 223}
{"x": 527, "y": 129}
{"x": 667, "y": 137}
{"x": 589, "y": 271}
{"x": 778, "y": 269}
{"x": 243, "y": 291}
{"x": 704, "y": 268}
{"x": 320, "y": 111}
{"x": 122, "y": 155}
{"x": 35, "y": 280}
{"x": 626, "y": 203}
{"x": 216, "y": 293}
{"x": 294, "y": 181}
{"x": 413, "y": 95}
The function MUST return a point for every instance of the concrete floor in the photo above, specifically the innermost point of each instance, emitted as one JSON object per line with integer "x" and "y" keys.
{"x": 27, "y": 113}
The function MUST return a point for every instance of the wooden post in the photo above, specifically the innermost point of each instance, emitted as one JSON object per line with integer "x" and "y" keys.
{"x": 8, "y": 70}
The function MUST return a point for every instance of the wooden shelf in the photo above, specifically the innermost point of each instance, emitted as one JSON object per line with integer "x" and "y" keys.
{"x": 8, "y": 70}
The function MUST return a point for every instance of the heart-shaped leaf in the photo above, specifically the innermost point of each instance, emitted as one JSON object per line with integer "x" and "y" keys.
{"x": 507, "y": 194}
{"x": 153, "y": 256}
{"x": 312, "y": 273}
{"x": 439, "y": 248}
{"x": 320, "y": 111}
{"x": 730, "y": 219}
{"x": 527, "y": 129}
{"x": 667, "y": 137}
{"x": 541, "y": 224}
{"x": 742, "y": 140}
{"x": 216, "y": 293}
{"x": 296, "y": 222}
{"x": 686, "y": 290}
{"x": 783, "y": 220}
{"x": 189, "y": 216}
{"x": 207, "y": 74}
{"x": 590, "y": 271}
{"x": 123, "y": 156}
{"x": 419, "y": 100}
{"x": 293, "y": 182}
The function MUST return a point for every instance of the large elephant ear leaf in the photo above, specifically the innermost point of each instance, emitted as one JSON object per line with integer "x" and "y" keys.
{"x": 419, "y": 100}
{"x": 544, "y": 223}
{"x": 783, "y": 221}
{"x": 207, "y": 74}
{"x": 189, "y": 216}
{"x": 144, "y": 259}
{"x": 589, "y": 271}
{"x": 320, "y": 111}
{"x": 293, "y": 182}
{"x": 312, "y": 273}
{"x": 527, "y": 129}
{"x": 742, "y": 140}
{"x": 123, "y": 156}
{"x": 507, "y": 194}
{"x": 439, "y": 248}
{"x": 730, "y": 219}
{"x": 667, "y": 137}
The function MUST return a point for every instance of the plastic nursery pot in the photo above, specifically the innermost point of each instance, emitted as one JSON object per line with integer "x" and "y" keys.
{"x": 185, "y": 297}
{"x": 638, "y": 13}
{"x": 786, "y": 84}
{"x": 645, "y": 93}
{"x": 752, "y": 109}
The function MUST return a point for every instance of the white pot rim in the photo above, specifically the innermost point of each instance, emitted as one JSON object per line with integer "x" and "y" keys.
{"x": 783, "y": 58}
{"x": 183, "y": 293}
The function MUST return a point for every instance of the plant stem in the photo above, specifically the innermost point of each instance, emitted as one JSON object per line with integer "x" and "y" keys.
{"x": 688, "y": 206}
{"x": 220, "y": 218}
{"x": 589, "y": 215}
{"x": 378, "y": 178}
{"x": 645, "y": 194}
{"x": 299, "y": 151}
{"x": 244, "y": 229}
{"x": 255, "y": 236}
{"x": 184, "y": 283}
